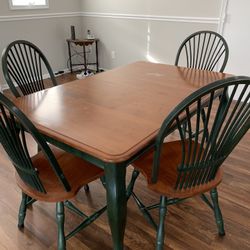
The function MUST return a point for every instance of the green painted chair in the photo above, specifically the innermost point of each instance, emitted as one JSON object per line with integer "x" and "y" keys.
{"x": 203, "y": 50}
{"x": 52, "y": 175}
{"x": 24, "y": 65}
{"x": 178, "y": 167}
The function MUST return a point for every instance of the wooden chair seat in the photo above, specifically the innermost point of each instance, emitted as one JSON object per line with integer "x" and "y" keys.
{"x": 170, "y": 159}
{"x": 77, "y": 171}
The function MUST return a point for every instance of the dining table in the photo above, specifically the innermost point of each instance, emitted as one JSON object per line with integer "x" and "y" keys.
{"x": 112, "y": 118}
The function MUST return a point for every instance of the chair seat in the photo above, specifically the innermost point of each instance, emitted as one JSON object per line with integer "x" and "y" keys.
{"x": 170, "y": 159}
{"x": 77, "y": 171}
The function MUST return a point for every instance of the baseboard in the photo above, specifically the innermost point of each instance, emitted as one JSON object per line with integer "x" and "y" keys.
{"x": 5, "y": 86}
{"x": 46, "y": 76}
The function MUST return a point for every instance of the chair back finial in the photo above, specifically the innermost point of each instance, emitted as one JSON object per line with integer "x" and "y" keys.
{"x": 203, "y": 50}
{"x": 208, "y": 125}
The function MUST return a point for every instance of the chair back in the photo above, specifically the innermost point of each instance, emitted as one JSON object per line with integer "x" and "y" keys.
{"x": 203, "y": 50}
{"x": 13, "y": 125}
{"x": 24, "y": 65}
{"x": 208, "y": 125}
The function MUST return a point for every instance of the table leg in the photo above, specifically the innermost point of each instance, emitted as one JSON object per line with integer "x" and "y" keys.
{"x": 70, "y": 59}
{"x": 85, "y": 58}
{"x": 116, "y": 202}
{"x": 96, "y": 54}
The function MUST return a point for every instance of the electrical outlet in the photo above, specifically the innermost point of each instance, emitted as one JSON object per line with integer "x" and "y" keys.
{"x": 113, "y": 55}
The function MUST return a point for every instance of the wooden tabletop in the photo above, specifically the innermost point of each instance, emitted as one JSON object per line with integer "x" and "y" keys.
{"x": 112, "y": 115}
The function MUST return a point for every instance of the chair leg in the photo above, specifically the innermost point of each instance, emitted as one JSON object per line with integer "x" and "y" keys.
{"x": 162, "y": 216}
{"x": 131, "y": 185}
{"x": 217, "y": 211}
{"x": 22, "y": 211}
{"x": 61, "y": 242}
{"x": 144, "y": 211}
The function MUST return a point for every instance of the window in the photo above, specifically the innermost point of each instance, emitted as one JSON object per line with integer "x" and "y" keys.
{"x": 28, "y": 4}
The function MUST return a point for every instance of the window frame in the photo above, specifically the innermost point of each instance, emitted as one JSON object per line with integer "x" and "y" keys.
{"x": 28, "y": 7}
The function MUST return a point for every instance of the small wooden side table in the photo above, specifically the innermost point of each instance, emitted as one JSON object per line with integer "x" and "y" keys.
{"x": 83, "y": 43}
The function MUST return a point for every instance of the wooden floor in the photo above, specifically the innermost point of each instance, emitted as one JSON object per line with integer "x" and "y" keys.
{"x": 189, "y": 225}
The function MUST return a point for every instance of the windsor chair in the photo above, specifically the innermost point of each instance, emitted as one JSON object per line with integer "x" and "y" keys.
{"x": 203, "y": 50}
{"x": 51, "y": 175}
{"x": 24, "y": 65}
{"x": 181, "y": 165}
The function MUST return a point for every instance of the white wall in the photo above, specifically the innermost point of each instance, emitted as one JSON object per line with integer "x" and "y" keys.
{"x": 131, "y": 30}
{"x": 146, "y": 29}
{"x": 47, "y": 28}
{"x": 237, "y": 34}
{"x": 204, "y": 8}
